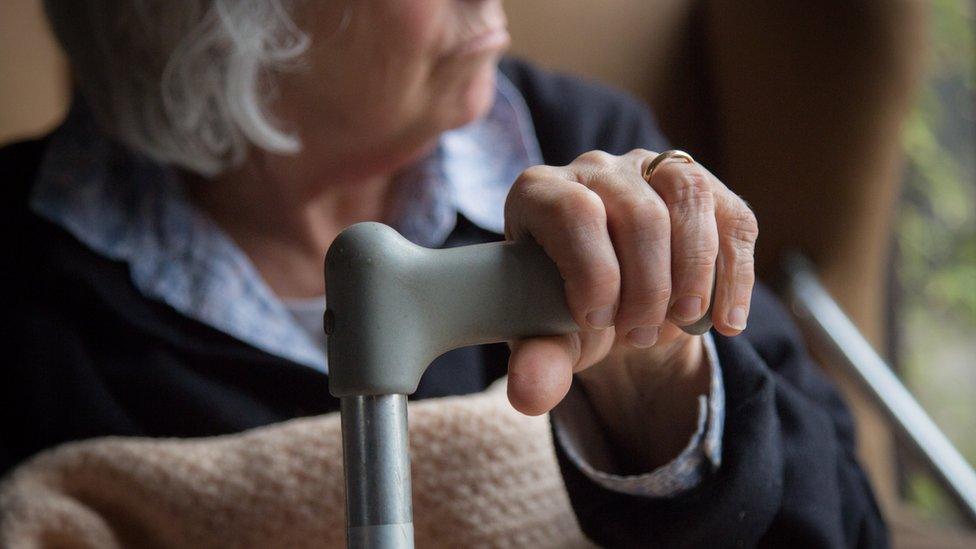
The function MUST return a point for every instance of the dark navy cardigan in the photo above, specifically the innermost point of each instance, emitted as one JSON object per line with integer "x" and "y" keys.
{"x": 87, "y": 355}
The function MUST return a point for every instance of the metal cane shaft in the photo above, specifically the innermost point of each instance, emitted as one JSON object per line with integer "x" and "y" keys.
{"x": 376, "y": 454}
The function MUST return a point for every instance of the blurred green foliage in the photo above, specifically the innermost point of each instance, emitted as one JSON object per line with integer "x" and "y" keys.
{"x": 936, "y": 231}
{"x": 937, "y": 226}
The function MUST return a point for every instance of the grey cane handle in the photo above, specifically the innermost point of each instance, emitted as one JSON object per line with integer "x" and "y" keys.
{"x": 393, "y": 307}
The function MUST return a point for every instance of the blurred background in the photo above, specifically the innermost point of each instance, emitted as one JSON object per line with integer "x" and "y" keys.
{"x": 849, "y": 126}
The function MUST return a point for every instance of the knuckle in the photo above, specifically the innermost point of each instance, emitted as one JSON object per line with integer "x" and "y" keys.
{"x": 522, "y": 196}
{"x": 691, "y": 192}
{"x": 698, "y": 259}
{"x": 740, "y": 273}
{"x": 602, "y": 276}
{"x": 648, "y": 307}
{"x": 644, "y": 217}
{"x": 639, "y": 156}
{"x": 636, "y": 206}
{"x": 744, "y": 265}
{"x": 592, "y": 280}
{"x": 536, "y": 173}
{"x": 746, "y": 274}
{"x": 743, "y": 226}
{"x": 518, "y": 190}
{"x": 693, "y": 265}
{"x": 598, "y": 159}
{"x": 654, "y": 297}
{"x": 739, "y": 285}
{"x": 581, "y": 207}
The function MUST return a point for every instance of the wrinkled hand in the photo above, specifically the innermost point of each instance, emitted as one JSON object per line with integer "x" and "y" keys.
{"x": 638, "y": 260}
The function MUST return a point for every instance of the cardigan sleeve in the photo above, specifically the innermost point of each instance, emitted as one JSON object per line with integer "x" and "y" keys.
{"x": 579, "y": 433}
{"x": 789, "y": 473}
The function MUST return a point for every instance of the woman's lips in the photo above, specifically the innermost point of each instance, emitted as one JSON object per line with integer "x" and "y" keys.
{"x": 489, "y": 41}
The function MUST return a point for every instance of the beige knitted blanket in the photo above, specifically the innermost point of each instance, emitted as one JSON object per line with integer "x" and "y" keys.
{"x": 483, "y": 475}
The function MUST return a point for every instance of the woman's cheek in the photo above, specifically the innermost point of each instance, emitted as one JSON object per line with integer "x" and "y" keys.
{"x": 450, "y": 90}
{"x": 418, "y": 28}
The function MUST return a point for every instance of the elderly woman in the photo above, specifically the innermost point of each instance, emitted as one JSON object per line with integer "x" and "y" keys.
{"x": 169, "y": 236}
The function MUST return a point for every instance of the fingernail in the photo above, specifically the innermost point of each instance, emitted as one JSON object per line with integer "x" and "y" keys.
{"x": 737, "y": 318}
{"x": 643, "y": 336}
{"x": 687, "y": 309}
{"x": 600, "y": 318}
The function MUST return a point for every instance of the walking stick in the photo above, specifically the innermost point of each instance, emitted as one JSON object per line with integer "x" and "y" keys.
{"x": 393, "y": 307}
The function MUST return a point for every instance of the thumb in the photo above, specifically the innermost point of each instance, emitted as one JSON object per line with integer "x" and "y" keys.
{"x": 540, "y": 372}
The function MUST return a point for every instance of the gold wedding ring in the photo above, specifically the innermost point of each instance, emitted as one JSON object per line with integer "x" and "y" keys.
{"x": 661, "y": 158}
{"x": 703, "y": 324}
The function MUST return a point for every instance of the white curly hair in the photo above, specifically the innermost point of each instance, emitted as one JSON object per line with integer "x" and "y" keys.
{"x": 185, "y": 82}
